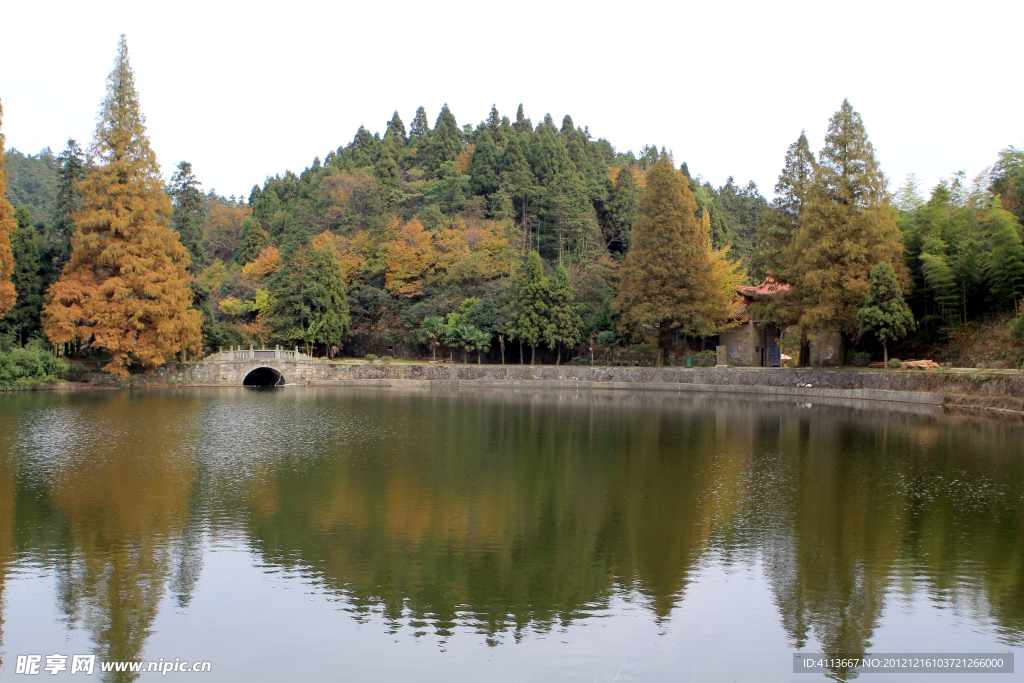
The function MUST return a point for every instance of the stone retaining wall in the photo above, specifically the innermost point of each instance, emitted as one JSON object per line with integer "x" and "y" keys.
{"x": 755, "y": 380}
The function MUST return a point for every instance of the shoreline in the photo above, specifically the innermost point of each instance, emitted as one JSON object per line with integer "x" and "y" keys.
{"x": 999, "y": 392}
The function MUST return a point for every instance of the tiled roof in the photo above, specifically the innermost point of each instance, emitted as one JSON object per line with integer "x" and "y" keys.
{"x": 766, "y": 288}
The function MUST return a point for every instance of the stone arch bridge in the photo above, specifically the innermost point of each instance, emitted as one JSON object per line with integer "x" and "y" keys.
{"x": 257, "y": 367}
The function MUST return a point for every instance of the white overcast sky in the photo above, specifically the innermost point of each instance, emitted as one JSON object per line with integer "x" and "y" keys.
{"x": 247, "y": 90}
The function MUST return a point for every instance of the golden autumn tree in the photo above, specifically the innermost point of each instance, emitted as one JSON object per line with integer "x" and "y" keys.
{"x": 670, "y": 279}
{"x": 125, "y": 289}
{"x": 7, "y": 227}
{"x": 410, "y": 257}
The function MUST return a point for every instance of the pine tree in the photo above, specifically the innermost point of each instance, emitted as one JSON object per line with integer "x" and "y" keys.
{"x": 189, "y": 215}
{"x": 126, "y": 287}
{"x": 445, "y": 141}
{"x": 885, "y": 313}
{"x": 565, "y": 325}
{"x": 70, "y": 172}
{"x": 395, "y": 133}
{"x": 908, "y": 197}
{"x": 668, "y": 274}
{"x": 23, "y": 318}
{"x": 7, "y": 227}
{"x": 845, "y": 229}
{"x": 252, "y": 243}
{"x": 533, "y": 310}
{"x": 483, "y": 171}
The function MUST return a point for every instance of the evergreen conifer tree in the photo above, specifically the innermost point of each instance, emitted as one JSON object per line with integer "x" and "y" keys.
{"x": 668, "y": 277}
{"x": 7, "y": 227}
{"x": 311, "y": 304}
{"x": 386, "y": 170}
{"x": 622, "y": 207}
{"x": 252, "y": 243}
{"x": 483, "y": 170}
{"x": 885, "y": 313}
{"x": 23, "y": 318}
{"x": 445, "y": 141}
{"x": 126, "y": 287}
{"x": 189, "y": 215}
{"x": 523, "y": 126}
{"x": 70, "y": 172}
{"x": 395, "y": 133}
{"x": 533, "y": 310}
{"x": 419, "y": 131}
{"x": 565, "y": 325}
{"x": 775, "y": 237}
{"x": 845, "y": 229}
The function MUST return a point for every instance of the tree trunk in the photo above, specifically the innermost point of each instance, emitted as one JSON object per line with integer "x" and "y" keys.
{"x": 433, "y": 350}
{"x": 664, "y": 341}
{"x": 521, "y": 353}
{"x": 558, "y": 357}
{"x": 885, "y": 352}
{"x": 533, "y": 355}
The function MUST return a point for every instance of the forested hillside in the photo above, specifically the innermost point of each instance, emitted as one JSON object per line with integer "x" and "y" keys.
{"x": 473, "y": 236}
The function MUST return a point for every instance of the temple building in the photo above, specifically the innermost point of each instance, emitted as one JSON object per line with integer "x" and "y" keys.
{"x": 754, "y": 343}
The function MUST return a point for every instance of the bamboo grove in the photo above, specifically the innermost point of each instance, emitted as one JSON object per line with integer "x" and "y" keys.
{"x": 471, "y": 238}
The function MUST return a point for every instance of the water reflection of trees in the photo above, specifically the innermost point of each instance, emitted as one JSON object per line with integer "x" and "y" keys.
{"x": 519, "y": 510}
{"x": 111, "y": 497}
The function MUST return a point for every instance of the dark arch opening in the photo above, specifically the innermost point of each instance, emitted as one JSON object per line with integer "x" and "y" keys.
{"x": 263, "y": 377}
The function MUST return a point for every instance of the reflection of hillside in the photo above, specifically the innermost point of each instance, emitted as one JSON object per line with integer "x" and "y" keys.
{"x": 7, "y": 474}
{"x": 531, "y": 513}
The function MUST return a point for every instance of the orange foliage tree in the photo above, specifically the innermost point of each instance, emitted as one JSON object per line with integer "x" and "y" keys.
{"x": 7, "y": 227}
{"x": 409, "y": 258}
{"x": 224, "y": 229}
{"x": 125, "y": 288}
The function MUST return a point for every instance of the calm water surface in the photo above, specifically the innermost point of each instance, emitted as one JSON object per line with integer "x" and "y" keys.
{"x": 476, "y": 535}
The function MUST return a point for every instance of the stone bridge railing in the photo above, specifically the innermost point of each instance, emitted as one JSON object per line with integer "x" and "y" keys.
{"x": 252, "y": 354}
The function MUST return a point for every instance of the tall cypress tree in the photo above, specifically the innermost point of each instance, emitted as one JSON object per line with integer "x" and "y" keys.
{"x": 668, "y": 280}
{"x": 386, "y": 170}
{"x": 189, "y": 215}
{"x": 419, "y": 131}
{"x": 126, "y": 287}
{"x": 532, "y": 308}
{"x": 70, "y": 172}
{"x": 845, "y": 229}
{"x": 23, "y": 319}
{"x": 7, "y": 227}
{"x": 483, "y": 170}
{"x": 780, "y": 220}
{"x": 395, "y": 133}
{"x": 445, "y": 141}
{"x": 523, "y": 126}
{"x": 564, "y": 323}
{"x": 622, "y": 207}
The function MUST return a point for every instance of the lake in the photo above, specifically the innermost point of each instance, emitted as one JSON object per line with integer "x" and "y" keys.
{"x": 331, "y": 533}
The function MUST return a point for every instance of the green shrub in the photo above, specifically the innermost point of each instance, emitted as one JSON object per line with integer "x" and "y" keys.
{"x": 75, "y": 373}
{"x": 895, "y": 364}
{"x": 1017, "y": 328}
{"x": 21, "y": 368}
{"x": 386, "y": 359}
{"x": 860, "y": 359}
{"x": 706, "y": 359}
{"x": 370, "y": 357}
